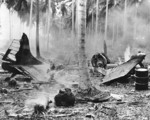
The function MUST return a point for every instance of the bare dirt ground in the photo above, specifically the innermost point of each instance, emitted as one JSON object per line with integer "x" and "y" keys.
{"x": 18, "y": 103}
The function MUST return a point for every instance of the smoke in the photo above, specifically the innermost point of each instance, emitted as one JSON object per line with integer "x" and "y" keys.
{"x": 4, "y": 31}
{"x": 58, "y": 46}
{"x": 123, "y": 30}
{"x": 127, "y": 55}
{"x": 131, "y": 29}
{"x": 12, "y": 28}
{"x": 40, "y": 98}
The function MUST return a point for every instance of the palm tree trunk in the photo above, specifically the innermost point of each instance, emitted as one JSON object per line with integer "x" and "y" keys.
{"x": 73, "y": 23}
{"x": 113, "y": 33}
{"x": 20, "y": 27}
{"x": 30, "y": 20}
{"x": 125, "y": 19}
{"x": 117, "y": 31}
{"x": 114, "y": 25}
{"x": 92, "y": 22}
{"x": 106, "y": 24}
{"x": 37, "y": 31}
{"x": 48, "y": 29}
{"x": 85, "y": 81}
{"x": 135, "y": 23}
{"x": 96, "y": 17}
{"x": 10, "y": 32}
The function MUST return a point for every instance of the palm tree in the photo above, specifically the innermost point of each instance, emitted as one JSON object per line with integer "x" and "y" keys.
{"x": 125, "y": 19}
{"x": 85, "y": 86}
{"x": 22, "y": 7}
{"x": 37, "y": 31}
{"x": 10, "y": 26}
{"x": 106, "y": 24}
{"x": 85, "y": 80}
{"x": 48, "y": 24}
{"x": 73, "y": 16}
{"x": 30, "y": 19}
{"x": 97, "y": 10}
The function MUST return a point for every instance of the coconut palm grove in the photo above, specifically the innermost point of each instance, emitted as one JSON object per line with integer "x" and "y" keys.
{"x": 74, "y": 59}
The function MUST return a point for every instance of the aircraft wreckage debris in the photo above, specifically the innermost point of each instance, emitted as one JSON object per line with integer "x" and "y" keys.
{"x": 123, "y": 69}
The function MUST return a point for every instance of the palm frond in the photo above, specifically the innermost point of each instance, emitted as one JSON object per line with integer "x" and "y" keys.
{"x": 11, "y": 3}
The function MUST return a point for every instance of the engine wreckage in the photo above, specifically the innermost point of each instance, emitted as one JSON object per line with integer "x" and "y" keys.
{"x": 100, "y": 62}
{"x": 18, "y": 59}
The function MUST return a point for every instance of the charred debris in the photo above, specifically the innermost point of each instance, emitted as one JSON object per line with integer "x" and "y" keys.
{"x": 117, "y": 72}
{"x": 20, "y": 65}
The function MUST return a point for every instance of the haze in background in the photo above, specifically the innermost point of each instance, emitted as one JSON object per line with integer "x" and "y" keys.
{"x": 63, "y": 48}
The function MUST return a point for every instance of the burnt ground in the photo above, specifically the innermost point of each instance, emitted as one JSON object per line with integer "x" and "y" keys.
{"x": 17, "y": 103}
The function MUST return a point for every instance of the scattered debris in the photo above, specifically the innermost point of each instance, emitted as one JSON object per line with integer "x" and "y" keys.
{"x": 38, "y": 105}
{"x": 40, "y": 82}
{"x": 3, "y": 90}
{"x": 110, "y": 66}
{"x": 18, "y": 54}
{"x": 102, "y": 71}
{"x": 12, "y": 83}
{"x": 65, "y": 98}
{"x": 59, "y": 67}
{"x": 117, "y": 97}
{"x": 7, "y": 79}
{"x": 99, "y": 63}
{"x": 109, "y": 111}
{"x": 148, "y": 95}
{"x": 122, "y": 70}
{"x": 100, "y": 97}
{"x": 22, "y": 89}
{"x": 137, "y": 103}
{"x": 98, "y": 72}
{"x": 39, "y": 109}
{"x": 90, "y": 115}
{"x": 6, "y": 102}
{"x": 99, "y": 60}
